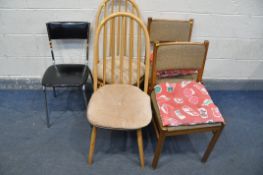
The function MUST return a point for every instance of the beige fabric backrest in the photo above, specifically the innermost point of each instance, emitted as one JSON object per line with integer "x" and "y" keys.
{"x": 180, "y": 56}
{"x": 108, "y": 7}
{"x": 163, "y": 30}
{"x": 139, "y": 47}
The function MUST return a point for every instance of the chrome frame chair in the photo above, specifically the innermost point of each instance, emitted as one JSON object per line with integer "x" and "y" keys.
{"x": 66, "y": 75}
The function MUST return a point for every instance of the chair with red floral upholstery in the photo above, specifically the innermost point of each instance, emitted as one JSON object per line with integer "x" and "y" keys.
{"x": 182, "y": 107}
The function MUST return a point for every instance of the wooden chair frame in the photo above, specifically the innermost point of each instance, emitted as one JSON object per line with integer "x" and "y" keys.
{"x": 162, "y": 131}
{"x": 95, "y": 76}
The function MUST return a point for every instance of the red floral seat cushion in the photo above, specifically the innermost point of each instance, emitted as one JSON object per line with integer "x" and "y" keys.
{"x": 186, "y": 103}
{"x": 173, "y": 72}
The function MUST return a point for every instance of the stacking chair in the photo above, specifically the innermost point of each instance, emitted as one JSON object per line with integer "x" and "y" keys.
{"x": 166, "y": 30}
{"x": 66, "y": 75}
{"x": 121, "y": 105}
{"x": 113, "y": 32}
{"x": 182, "y": 55}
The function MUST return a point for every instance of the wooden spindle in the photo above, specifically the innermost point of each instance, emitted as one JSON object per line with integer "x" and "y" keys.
{"x": 113, "y": 51}
{"x": 104, "y": 45}
{"x": 125, "y": 30}
{"x": 139, "y": 55}
{"x": 111, "y": 25}
{"x": 122, "y": 49}
{"x": 112, "y": 45}
{"x": 131, "y": 49}
{"x": 119, "y": 29}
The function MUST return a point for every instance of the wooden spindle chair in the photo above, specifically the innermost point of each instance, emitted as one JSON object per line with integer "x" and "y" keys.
{"x": 120, "y": 105}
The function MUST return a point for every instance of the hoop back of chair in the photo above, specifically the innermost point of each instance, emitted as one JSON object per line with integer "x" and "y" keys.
{"x": 108, "y": 7}
{"x": 68, "y": 30}
{"x": 180, "y": 55}
{"x": 135, "y": 56}
{"x": 161, "y": 30}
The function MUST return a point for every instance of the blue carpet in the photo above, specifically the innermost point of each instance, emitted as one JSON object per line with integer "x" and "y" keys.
{"x": 27, "y": 147}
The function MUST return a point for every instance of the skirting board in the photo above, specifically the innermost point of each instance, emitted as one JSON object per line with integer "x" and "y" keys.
{"x": 211, "y": 84}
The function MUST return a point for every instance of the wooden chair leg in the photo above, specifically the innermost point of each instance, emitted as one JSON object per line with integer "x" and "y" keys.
{"x": 140, "y": 146}
{"x": 92, "y": 144}
{"x": 155, "y": 129}
{"x": 158, "y": 149}
{"x": 211, "y": 144}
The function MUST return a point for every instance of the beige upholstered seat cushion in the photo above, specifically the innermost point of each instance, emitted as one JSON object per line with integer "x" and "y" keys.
{"x": 119, "y": 106}
{"x": 117, "y": 70}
